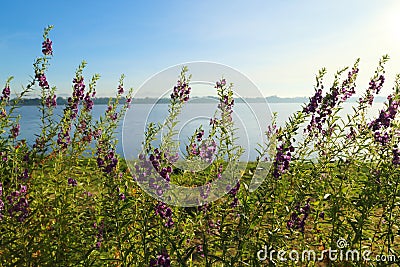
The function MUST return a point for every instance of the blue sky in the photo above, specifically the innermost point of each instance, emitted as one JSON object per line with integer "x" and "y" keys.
{"x": 280, "y": 45}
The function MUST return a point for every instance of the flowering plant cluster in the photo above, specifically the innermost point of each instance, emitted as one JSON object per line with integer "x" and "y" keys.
{"x": 345, "y": 166}
{"x": 46, "y": 186}
{"x": 69, "y": 199}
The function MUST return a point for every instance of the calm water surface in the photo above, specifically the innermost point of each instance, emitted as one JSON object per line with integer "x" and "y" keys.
{"x": 192, "y": 117}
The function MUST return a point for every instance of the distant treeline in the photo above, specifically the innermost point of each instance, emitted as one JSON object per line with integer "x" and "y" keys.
{"x": 60, "y": 101}
{"x": 210, "y": 99}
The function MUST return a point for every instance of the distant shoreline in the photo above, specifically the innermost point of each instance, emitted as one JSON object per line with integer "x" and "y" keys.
{"x": 194, "y": 100}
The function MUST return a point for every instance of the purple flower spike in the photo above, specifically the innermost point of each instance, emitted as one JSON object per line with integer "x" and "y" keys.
{"x": 47, "y": 48}
{"x": 6, "y": 93}
{"x": 15, "y": 131}
{"x": 72, "y": 182}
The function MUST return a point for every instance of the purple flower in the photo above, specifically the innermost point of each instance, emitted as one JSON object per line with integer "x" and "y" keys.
{"x": 163, "y": 260}
{"x": 79, "y": 88}
{"x": 320, "y": 107}
{"x": 63, "y": 138}
{"x": 375, "y": 85}
{"x": 160, "y": 209}
{"x": 47, "y": 48}
{"x": 214, "y": 227}
{"x": 22, "y": 189}
{"x": 168, "y": 212}
{"x": 15, "y": 130}
{"x": 226, "y": 101}
{"x": 88, "y": 102}
{"x": 165, "y": 212}
{"x": 18, "y": 204}
{"x": 120, "y": 89}
{"x": 282, "y": 160}
{"x": 169, "y": 169}
{"x": 382, "y": 138}
{"x": 25, "y": 175}
{"x": 233, "y": 191}
{"x": 108, "y": 163}
{"x": 6, "y": 93}
{"x": 87, "y": 193}
{"x": 97, "y": 133}
{"x": 207, "y": 150}
{"x": 295, "y": 222}
{"x": 129, "y": 101}
{"x": 348, "y": 88}
{"x": 51, "y": 101}
{"x": 235, "y": 202}
{"x": 181, "y": 92}
{"x": 169, "y": 223}
{"x": 192, "y": 149}
{"x": 199, "y": 135}
{"x": 199, "y": 249}
{"x": 314, "y": 102}
{"x": 396, "y": 155}
{"x": 72, "y": 182}
{"x": 122, "y": 196}
{"x": 42, "y": 81}
{"x": 99, "y": 236}
{"x": 153, "y": 263}
{"x": 351, "y": 134}
{"x": 206, "y": 193}
{"x": 114, "y": 116}
{"x": 386, "y": 116}
{"x": 1, "y": 209}
{"x": 220, "y": 84}
{"x": 3, "y": 156}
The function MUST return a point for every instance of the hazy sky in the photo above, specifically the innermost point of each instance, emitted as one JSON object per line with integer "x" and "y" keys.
{"x": 280, "y": 45}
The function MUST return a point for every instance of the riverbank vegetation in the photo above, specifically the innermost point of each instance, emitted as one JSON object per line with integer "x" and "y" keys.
{"x": 71, "y": 200}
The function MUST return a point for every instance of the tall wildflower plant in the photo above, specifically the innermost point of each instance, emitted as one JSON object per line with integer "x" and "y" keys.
{"x": 47, "y": 196}
{"x": 47, "y": 94}
{"x": 339, "y": 178}
{"x": 158, "y": 219}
